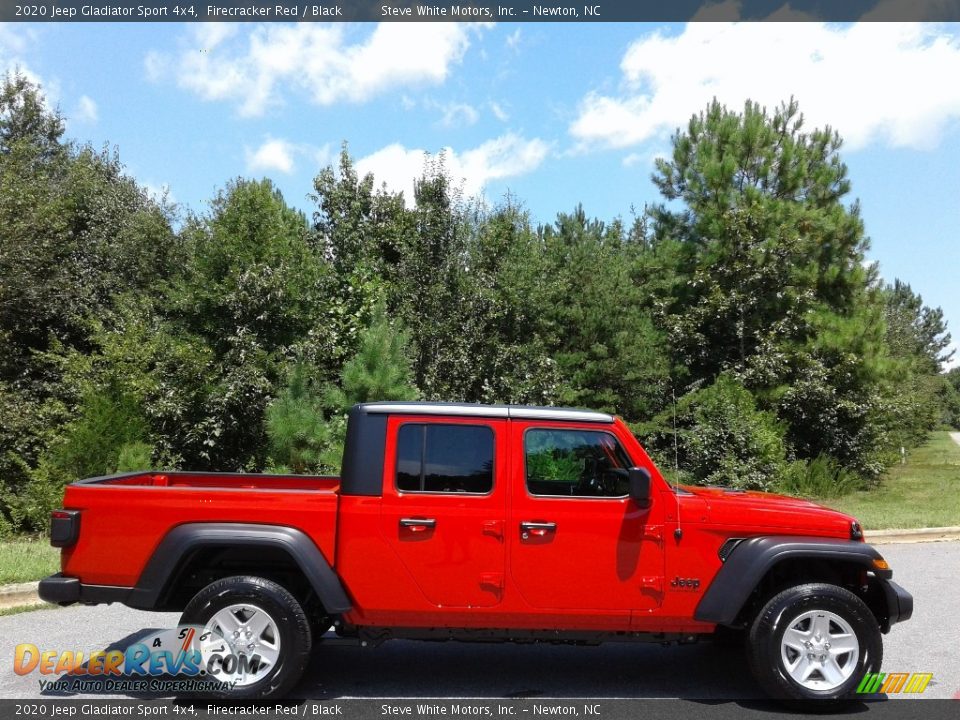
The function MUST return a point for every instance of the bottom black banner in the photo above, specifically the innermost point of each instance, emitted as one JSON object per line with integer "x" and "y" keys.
{"x": 469, "y": 708}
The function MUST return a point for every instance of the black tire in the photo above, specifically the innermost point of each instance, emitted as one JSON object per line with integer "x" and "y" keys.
{"x": 796, "y": 609}
{"x": 293, "y": 628}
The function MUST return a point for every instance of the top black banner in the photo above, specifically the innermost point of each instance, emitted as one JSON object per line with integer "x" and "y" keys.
{"x": 187, "y": 11}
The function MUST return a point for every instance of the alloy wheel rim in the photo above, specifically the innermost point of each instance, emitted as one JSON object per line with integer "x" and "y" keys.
{"x": 819, "y": 650}
{"x": 249, "y": 635}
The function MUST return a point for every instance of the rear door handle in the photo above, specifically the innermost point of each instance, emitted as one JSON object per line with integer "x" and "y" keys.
{"x": 536, "y": 529}
{"x": 418, "y": 524}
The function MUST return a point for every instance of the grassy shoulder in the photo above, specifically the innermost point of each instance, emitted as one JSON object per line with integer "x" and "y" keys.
{"x": 25, "y": 560}
{"x": 17, "y": 609}
{"x": 921, "y": 493}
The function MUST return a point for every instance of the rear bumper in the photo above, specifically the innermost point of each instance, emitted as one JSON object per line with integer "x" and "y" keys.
{"x": 899, "y": 602}
{"x": 61, "y": 589}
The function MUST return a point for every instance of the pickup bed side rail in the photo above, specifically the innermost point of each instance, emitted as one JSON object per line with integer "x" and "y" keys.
{"x": 184, "y": 539}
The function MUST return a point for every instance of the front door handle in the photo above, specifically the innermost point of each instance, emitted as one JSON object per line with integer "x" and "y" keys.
{"x": 418, "y": 524}
{"x": 536, "y": 529}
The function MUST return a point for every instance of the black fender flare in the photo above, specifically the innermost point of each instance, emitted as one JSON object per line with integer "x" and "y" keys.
{"x": 752, "y": 558}
{"x": 184, "y": 539}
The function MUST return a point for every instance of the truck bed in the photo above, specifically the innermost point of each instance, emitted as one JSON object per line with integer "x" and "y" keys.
{"x": 124, "y": 517}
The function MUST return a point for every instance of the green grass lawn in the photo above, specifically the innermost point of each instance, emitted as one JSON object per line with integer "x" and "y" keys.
{"x": 25, "y": 560}
{"x": 923, "y": 493}
{"x": 24, "y": 608}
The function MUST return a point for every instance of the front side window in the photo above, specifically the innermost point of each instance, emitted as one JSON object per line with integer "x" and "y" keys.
{"x": 580, "y": 463}
{"x": 445, "y": 458}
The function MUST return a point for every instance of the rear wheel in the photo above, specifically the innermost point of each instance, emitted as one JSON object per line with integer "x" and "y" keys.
{"x": 259, "y": 632}
{"x": 814, "y": 641}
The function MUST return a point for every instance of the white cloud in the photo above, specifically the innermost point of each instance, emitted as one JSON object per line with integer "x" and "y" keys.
{"x": 11, "y": 43}
{"x": 321, "y": 156}
{"x": 13, "y": 48}
{"x": 513, "y": 39}
{"x": 281, "y": 155}
{"x": 156, "y": 65}
{"x": 458, "y": 115}
{"x": 16, "y": 43}
{"x": 273, "y": 154}
{"x": 955, "y": 360}
{"x": 646, "y": 158}
{"x": 254, "y": 68}
{"x": 86, "y": 111}
{"x": 873, "y": 82}
{"x": 498, "y": 112}
{"x": 159, "y": 193}
{"x": 506, "y": 156}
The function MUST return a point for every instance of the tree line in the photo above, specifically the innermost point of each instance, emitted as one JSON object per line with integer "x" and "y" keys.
{"x": 735, "y": 325}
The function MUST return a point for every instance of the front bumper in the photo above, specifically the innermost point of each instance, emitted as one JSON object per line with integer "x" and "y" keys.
{"x": 899, "y": 602}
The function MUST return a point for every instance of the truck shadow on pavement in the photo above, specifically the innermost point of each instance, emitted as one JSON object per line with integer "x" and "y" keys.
{"x": 404, "y": 669}
{"x": 63, "y": 690}
{"x": 703, "y": 672}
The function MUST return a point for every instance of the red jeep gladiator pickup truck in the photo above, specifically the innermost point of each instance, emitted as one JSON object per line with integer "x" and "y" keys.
{"x": 472, "y": 522}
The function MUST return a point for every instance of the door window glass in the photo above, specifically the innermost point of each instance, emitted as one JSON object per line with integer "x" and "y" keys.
{"x": 580, "y": 463}
{"x": 445, "y": 458}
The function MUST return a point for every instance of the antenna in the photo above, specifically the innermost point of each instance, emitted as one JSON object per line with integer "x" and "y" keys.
{"x": 678, "y": 532}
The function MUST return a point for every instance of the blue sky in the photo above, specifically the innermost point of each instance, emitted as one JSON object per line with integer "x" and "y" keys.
{"x": 557, "y": 114}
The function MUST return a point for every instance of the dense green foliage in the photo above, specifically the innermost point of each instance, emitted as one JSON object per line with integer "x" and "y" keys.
{"x": 722, "y": 438}
{"x": 306, "y": 423}
{"x": 736, "y": 326}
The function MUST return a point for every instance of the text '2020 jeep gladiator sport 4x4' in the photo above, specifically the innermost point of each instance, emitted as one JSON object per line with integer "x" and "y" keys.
{"x": 470, "y": 522}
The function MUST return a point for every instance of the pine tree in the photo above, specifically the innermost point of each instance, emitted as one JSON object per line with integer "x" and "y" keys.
{"x": 379, "y": 371}
{"x": 297, "y": 428}
{"x": 306, "y": 424}
{"x": 766, "y": 259}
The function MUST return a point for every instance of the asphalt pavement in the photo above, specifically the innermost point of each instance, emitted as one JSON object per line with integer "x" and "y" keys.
{"x": 402, "y": 669}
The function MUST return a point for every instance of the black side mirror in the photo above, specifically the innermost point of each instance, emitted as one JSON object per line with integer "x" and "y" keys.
{"x": 640, "y": 486}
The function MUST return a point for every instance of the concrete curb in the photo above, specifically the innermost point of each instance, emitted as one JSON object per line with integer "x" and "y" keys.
{"x": 25, "y": 594}
{"x": 19, "y": 595}
{"x": 918, "y": 535}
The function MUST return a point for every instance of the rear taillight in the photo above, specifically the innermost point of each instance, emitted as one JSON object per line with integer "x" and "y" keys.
{"x": 64, "y": 527}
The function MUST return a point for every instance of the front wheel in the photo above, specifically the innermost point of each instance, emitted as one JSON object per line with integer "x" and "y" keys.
{"x": 814, "y": 641}
{"x": 260, "y": 638}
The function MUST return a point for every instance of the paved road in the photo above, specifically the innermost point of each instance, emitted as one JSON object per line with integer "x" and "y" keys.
{"x": 930, "y": 642}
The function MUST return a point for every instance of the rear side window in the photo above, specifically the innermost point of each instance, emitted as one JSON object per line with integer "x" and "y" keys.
{"x": 444, "y": 458}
